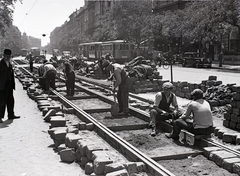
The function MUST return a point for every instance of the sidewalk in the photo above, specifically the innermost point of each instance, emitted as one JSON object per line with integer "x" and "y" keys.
{"x": 215, "y": 64}
{"x": 26, "y": 148}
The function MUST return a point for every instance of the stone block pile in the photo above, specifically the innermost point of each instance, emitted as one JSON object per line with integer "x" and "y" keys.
{"x": 150, "y": 83}
{"x": 232, "y": 116}
{"x": 224, "y": 159}
{"x": 215, "y": 92}
{"x": 77, "y": 141}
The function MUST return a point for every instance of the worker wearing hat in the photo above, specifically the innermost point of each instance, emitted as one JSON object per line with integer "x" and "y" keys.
{"x": 121, "y": 81}
{"x": 199, "y": 111}
{"x": 7, "y": 84}
{"x": 161, "y": 108}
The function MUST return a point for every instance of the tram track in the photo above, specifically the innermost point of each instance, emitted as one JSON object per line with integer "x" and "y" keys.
{"x": 108, "y": 134}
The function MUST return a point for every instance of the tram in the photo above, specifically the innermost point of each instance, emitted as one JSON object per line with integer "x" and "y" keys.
{"x": 24, "y": 52}
{"x": 121, "y": 50}
{"x": 35, "y": 51}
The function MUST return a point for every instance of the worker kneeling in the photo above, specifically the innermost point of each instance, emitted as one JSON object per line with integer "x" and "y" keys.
{"x": 199, "y": 111}
{"x": 161, "y": 109}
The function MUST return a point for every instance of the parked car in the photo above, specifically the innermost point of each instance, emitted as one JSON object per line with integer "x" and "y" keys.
{"x": 192, "y": 59}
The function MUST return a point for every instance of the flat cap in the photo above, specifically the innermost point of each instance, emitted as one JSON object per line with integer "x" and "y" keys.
{"x": 167, "y": 85}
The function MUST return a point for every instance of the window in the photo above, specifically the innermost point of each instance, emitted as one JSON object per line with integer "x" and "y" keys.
{"x": 124, "y": 47}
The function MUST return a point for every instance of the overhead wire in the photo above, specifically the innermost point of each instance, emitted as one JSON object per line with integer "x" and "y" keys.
{"x": 28, "y": 13}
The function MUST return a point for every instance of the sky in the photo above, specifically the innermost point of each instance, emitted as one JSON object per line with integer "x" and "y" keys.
{"x": 38, "y": 17}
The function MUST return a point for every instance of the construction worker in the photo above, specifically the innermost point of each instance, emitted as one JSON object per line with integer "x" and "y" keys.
{"x": 121, "y": 81}
{"x": 200, "y": 112}
{"x": 161, "y": 111}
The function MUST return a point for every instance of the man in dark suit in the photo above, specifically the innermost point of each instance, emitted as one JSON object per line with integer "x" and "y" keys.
{"x": 7, "y": 84}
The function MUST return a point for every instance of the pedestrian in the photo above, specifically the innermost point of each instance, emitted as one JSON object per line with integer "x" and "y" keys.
{"x": 160, "y": 58}
{"x": 70, "y": 78}
{"x": 49, "y": 74}
{"x": 121, "y": 80}
{"x": 7, "y": 84}
{"x": 160, "y": 111}
{"x": 31, "y": 62}
{"x": 199, "y": 111}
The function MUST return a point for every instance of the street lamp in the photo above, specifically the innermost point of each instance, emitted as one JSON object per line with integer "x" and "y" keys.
{"x": 45, "y": 51}
{"x": 221, "y": 52}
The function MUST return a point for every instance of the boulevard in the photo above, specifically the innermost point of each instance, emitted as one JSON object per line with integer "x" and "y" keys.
{"x": 196, "y": 75}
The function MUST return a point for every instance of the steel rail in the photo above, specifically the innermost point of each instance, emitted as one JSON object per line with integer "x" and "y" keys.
{"x": 117, "y": 142}
{"x": 143, "y": 115}
{"x": 146, "y": 117}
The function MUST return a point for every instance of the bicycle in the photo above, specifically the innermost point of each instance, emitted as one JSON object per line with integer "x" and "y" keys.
{"x": 165, "y": 64}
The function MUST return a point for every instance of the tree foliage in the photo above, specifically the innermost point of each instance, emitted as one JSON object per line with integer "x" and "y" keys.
{"x": 202, "y": 20}
{"x": 133, "y": 20}
{"x": 127, "y": 20}
{"x": 6, "y": 11}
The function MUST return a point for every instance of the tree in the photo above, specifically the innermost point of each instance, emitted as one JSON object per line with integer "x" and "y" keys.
{"x": 132, "y": 20}
{"x": 12, "y": 39}
{"x": 106, "y": 30}
{"x": 6, "y": 14}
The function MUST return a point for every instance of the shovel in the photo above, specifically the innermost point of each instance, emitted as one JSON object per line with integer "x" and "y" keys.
{"x": 114, "y": 107}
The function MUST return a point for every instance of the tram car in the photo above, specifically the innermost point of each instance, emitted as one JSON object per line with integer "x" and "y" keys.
{"x": 121, "y": 50}
{"x": 91, "y": 50}
{"x": 36, "y": 54}
{"x": 24, "y": 52}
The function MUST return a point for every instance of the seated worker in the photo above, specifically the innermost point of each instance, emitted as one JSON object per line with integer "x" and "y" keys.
{"x": 122, "y": 81}
{"x": 202, "y": 122}
{"x": 49, "y": 74}
{"x": 161, "y": 108}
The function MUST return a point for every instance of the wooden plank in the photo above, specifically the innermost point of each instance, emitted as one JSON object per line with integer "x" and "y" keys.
{"x": 128, "y": 127}
{"x": 177, "y": 156}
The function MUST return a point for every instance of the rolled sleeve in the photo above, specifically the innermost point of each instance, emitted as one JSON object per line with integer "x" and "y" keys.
{"x": 174, "y": 101}
{"x": 158, "y": 98}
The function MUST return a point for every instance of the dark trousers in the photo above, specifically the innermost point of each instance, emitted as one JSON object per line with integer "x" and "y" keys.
{"x": 182, "y": 124}
{"x": 156, "y": 118}
{"x": 7, "y": 99}
{"x": 122, "y": 96}
{"x": 42, "y": 82}
{"x": 70, "y": 84}
{"x": 31, "y": 66}
{"x": 50, "y": 80}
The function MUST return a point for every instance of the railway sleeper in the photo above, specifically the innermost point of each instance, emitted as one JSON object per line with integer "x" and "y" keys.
{"x": 224, "y": 159}
{"x": 95, "y": 155}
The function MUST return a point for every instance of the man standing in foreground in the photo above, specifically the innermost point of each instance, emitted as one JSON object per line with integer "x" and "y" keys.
{"x": 122, "y": 81}
{"x": 202, "y": 122}
{"x": 7, "y": 84}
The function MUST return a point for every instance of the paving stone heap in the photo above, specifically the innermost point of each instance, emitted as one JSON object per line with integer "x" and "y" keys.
{"x": 232, "y": 116}
{"x": 149, "y": 85}
{"x": 77, "y": 141}
{"x": 224, "y": 159}
{"x": 216, "y": 93}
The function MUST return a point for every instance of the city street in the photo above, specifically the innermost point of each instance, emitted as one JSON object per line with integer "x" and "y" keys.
{"x": 196, "y": 75}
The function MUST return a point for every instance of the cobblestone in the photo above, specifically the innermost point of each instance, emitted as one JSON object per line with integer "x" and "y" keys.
{"x": 25, "y": 145}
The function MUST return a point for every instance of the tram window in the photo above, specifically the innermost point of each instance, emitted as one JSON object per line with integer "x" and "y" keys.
{"x": 107, "y": 47}
{"x": 92, "y": 48}
{"x": 117, "y": 47}
{"x": 124, "y": 47}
